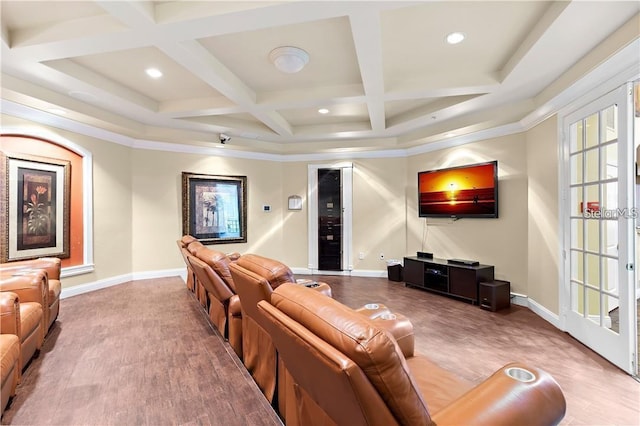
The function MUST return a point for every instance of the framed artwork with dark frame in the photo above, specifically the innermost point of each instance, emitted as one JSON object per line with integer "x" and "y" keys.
{"x": 214, "y": 208}
{"x": 36, "y": 196}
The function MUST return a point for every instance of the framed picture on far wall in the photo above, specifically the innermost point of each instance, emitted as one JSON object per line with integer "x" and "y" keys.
{"x": 214, "y": 208}
{"x": 36, "y": 200}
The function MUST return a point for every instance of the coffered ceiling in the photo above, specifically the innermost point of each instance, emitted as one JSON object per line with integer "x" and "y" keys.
{"x": 383, "y": 69}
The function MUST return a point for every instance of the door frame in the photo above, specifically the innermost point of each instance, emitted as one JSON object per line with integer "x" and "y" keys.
{"x": 346, "y": 169}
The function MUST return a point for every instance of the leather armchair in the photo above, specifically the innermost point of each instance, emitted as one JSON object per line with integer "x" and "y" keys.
{"x": 9, "y": 367}
{"x": 183, "y": 243}
{"x": 10, "y": 350}
{"x": 354, "y": 373}
{"x": 255, "y": 277}
{"x": 21, "y": 300}
{"x": 223, "y": 303}
{"x": 200, "y": 292}
{"x": 52, "y": 268}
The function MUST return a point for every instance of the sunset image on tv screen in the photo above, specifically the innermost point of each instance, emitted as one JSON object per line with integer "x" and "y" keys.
{"x": 462, "y": 191}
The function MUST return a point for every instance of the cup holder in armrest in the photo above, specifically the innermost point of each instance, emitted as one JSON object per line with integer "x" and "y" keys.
{"x": 388, "y": 317}
{"x": 520, "y": 374}
{"x": 372, "y": 306}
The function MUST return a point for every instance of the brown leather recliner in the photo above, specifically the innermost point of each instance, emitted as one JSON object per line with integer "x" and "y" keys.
{"x": 22, "y": 297}
{"x": 255, "y": 277}
{"x": 9, "y": 366}
{"x": 223, "y": 303}
{"x": 183, "y": 243}
{"x": 354, "y": 373}
{"x": 10, "y": 349}
{"x": 52, "y": 267}
{"x": 200, "y": 292}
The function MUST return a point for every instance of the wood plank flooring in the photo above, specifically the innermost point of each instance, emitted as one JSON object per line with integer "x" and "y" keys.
{"x": 140, "y": 353}
{"x": 143, "y": 353}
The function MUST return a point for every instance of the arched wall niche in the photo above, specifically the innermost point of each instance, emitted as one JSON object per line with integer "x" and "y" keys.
{"x": 51, "y": 145}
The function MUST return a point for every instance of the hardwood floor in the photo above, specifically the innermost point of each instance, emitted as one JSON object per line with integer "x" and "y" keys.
{"x": 141, "y": 353}
{"x": 144, "y": 353}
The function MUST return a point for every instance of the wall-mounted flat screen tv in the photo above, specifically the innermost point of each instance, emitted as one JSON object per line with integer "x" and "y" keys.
{"x": 456, "y": 192}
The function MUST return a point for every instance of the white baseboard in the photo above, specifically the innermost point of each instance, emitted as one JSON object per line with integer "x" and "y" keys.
{"x": 516, "y": 299}
{"x": 145, "y": 275}
{"x": 519, "y": 299}
{"x": 544, "y": 313}
{"x": 372, "y": 273}
{"x": 121, "y": 279}
{"x": 96, "y": 285}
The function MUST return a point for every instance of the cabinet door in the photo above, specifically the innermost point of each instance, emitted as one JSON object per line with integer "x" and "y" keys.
{"x": 413, "y": 272}
{"x": 463, "y": 283}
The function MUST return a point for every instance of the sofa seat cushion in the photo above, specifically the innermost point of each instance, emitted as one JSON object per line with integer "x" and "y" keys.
{"x": 438, "y": 386}
{"x": 270, "y": 269}
{"x": 30, "y": 318}
{"x": 374, "y": 350}
{"x": 9, "y": 354}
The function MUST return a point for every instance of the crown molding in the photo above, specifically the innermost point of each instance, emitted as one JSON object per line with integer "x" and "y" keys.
{"x": 618, "y": 69}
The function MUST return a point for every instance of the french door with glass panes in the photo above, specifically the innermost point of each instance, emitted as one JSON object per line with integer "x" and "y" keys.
{"x": 598, "y": 211}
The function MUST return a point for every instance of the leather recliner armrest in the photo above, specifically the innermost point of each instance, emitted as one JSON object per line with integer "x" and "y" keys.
{"x": 532, "y": 397}
{"x": 30, "y": 287}
{"x": 9, "y": 313}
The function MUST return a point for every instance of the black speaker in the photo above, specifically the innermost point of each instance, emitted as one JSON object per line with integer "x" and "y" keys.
{"x": 494, "y": 295}
{"x": 425, "y": 255}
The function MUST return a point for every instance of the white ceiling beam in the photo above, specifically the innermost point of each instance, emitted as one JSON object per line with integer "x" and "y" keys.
{"x": 367, "y": 39}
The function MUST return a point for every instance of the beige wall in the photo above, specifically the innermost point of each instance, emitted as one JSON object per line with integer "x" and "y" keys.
{"x": 543, "y": 231}
{"x": 137, "y": 209}
{"x": 501, "y": 242}
{"x": 111, "y": 202}
{"x": 157, "y": 205}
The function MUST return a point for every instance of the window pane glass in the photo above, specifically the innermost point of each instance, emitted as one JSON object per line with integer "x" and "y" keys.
{"x": 577, "y": 240}
{"x": 576, "y": 168}
{"x": 577, "y": 266}
{"x": 576, "y": 201}
{"x": 610, "y": 237}
{"x": 591, "y": 166}
{"x": 592, "y": 235}
{"x": 610, "y": 123}
{"x": 613, "y": 318}
{"x": 577, "y": 298}
{"x": 575, "y": 134}
{"x": 593, "y": 306}
{"x": 593, "y": 270}
{"x": 610, "y": 196}
{"x": 591, "y": 134}
{"x": 610, "y": 276}
{"x": 609, "y": 161}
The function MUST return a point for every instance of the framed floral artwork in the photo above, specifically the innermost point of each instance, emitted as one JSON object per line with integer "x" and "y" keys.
{"x": 214, "y": 208}
{"x": 36, "y": 198}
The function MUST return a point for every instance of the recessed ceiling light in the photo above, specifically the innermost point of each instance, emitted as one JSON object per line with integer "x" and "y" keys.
{"x": 449, "y": 135}
{"x": 153, "y": 72}
{"x": 455, "y": 38}
{"x": 323, "y": 111}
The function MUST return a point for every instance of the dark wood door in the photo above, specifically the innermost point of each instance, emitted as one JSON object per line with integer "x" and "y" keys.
{"x": 329, "y": 220}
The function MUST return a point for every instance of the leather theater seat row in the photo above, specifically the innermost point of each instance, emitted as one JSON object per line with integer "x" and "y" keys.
{"x": 29, "y": 305}
{"x": 319, "y": 362}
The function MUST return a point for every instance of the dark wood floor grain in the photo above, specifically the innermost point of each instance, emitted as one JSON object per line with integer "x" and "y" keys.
{"x": 474, "y": 343}
{"x": 143, "y": 353}
{"x": 140, "y": 353}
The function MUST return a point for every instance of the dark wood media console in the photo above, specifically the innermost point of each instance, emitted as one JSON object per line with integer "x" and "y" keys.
{"x": 440, "y": 276}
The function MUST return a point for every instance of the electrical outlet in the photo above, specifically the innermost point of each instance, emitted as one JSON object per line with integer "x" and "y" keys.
{"x": 361, "y": 255}
{"x": 381, "y": 256}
